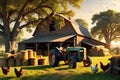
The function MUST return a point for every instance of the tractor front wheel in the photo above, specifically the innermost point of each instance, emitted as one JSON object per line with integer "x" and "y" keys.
{"x": 72, "y": 62}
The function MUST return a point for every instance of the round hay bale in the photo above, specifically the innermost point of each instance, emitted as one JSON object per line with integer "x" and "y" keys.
{"x": 25, "y": 62}
{"x": 3, "y": 62}
{"x": 7, "y": 55}
{"x": 34, "y": 54}
{"x": 24, "y": 55}
{"x": 18, "y": 61}
{"x": 41, "y": 61}
{"x": 30, "y": 53}
{"x": 11, "y": 61}
{"x": 33, "y": 61}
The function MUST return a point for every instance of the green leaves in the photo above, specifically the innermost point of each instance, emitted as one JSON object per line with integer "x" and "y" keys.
{"x": 106, "y": 25}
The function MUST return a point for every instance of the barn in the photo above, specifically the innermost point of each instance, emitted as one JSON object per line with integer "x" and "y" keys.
{"x": 71, "y": 34}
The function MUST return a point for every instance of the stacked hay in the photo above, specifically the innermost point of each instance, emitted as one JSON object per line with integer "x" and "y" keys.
{"x": 30, "y": 53}
{"x": 93, "y": 51}
{"x": 11, "y": 61}
{"x": 41, "y": 61}
{"x": 115, "y": 65}
{"x": 7, "y": 55}
{"x": 33, "y": 61}
{"x": 3, "y": 62}
{"x": 99, "y": 51}
{"x": 18, "y": 60}
{"x": 24, "y": 57}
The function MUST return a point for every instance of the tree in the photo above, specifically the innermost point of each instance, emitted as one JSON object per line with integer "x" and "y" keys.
{"x": 20, "y": 14}
{"x": 82, "y": 22}
{"x": 107, "y": 25}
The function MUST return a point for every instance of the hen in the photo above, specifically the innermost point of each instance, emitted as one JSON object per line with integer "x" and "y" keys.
{"x": 104, "y": 67}
{"x": 18, "y": 73}
{"x": 5, "y": 70}
{"x": 94, "y": 68}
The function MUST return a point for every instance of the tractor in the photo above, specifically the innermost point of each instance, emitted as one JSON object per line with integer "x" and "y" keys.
{"x": 70, "y": 56}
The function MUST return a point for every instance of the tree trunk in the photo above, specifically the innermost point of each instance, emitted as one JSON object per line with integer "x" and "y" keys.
{"x": 10, "y": 46}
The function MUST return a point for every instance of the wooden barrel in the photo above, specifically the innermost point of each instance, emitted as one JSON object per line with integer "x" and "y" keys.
{"x": 41, "y": 61}
{"x": 24, "y": 55}
{"x": 11, "y": 61}
{"x": 33, "y": 61}
{"x": 30, "y": 53}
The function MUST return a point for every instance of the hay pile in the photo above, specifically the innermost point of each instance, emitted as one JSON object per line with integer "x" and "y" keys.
{"x": 24, "y": 58}
{"x": 98, "y": 51}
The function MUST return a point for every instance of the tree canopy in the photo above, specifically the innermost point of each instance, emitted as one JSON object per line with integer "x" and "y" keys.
{"x": 20, "y": 14}
{"x": 82, "y": 22}
{"x": 107, "y": 25}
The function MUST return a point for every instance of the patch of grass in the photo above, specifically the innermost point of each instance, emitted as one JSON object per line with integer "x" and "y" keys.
{"x": 62, "y": 72}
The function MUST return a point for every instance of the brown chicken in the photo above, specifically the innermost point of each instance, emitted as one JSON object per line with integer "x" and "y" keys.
{"x": 5, "y": 70}
{"x": 104, "y": 67}
{"x": 18, "y": 73}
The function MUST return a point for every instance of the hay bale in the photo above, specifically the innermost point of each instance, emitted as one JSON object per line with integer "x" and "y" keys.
{"x": 25, "y": 62}
{"x": 7, "y": 55}
{"x": 18, "y": 61}
{"x": 30, "y": 53}
{"x": 24, "y": 55}
{"x": 11, "y": 61}
{"x": 93, "y": 51}
{"x": 34, "y": 54}
{"x": 33, "y": 61}
{"x": 41, "y": 61}
{"x": 3, "y": 62}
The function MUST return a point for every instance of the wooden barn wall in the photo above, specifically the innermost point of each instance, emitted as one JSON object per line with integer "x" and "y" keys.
{"x": 65, "y": 30}
{"x": 79, "y": 39}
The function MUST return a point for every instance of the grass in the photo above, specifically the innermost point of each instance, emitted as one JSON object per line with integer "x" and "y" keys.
{"x": 62, "y": 72}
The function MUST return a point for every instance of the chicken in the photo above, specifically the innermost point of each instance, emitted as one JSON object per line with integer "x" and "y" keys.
{"x": 94, "y": 68}
{"x": 18, "y": 73}
{"x": 104, "y": 67}
{"x": 5, "y": 70}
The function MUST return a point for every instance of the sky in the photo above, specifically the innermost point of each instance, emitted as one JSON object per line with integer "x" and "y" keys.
{"x": 91, "y": 7}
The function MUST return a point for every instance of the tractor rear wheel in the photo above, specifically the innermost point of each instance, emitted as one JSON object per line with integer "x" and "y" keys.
{"x": 54, "y": 57}
{"x": 72, "y": 62}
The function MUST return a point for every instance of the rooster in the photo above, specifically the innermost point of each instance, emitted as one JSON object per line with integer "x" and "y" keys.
{"x": 18, "y": 73}
{"x": 94, "y": 68}
{"x": 5, "y": 70}
{"x": 104, "y": 67}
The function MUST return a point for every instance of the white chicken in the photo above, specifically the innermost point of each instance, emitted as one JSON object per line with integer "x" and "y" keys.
{"x": 94, "y": 68}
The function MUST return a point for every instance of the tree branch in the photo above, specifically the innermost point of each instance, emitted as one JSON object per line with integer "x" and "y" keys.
{"x": 31, "y": 22}
{"x": 1, "y": 27}
{"x": 39, "y": 6}
{"x": 18, "y": 19}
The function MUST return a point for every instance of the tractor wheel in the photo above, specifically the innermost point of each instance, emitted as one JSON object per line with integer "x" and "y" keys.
{"x": 65, "y": 59}
{"x": 72, "y": 62}
{"x": 54, "y": 57}
{"x": 87, "y": 62}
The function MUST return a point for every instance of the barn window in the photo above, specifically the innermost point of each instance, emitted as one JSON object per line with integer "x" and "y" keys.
{"x": 52, "y": 28}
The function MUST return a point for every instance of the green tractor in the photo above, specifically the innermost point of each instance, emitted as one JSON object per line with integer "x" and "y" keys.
{"x": 70, "y": 56}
